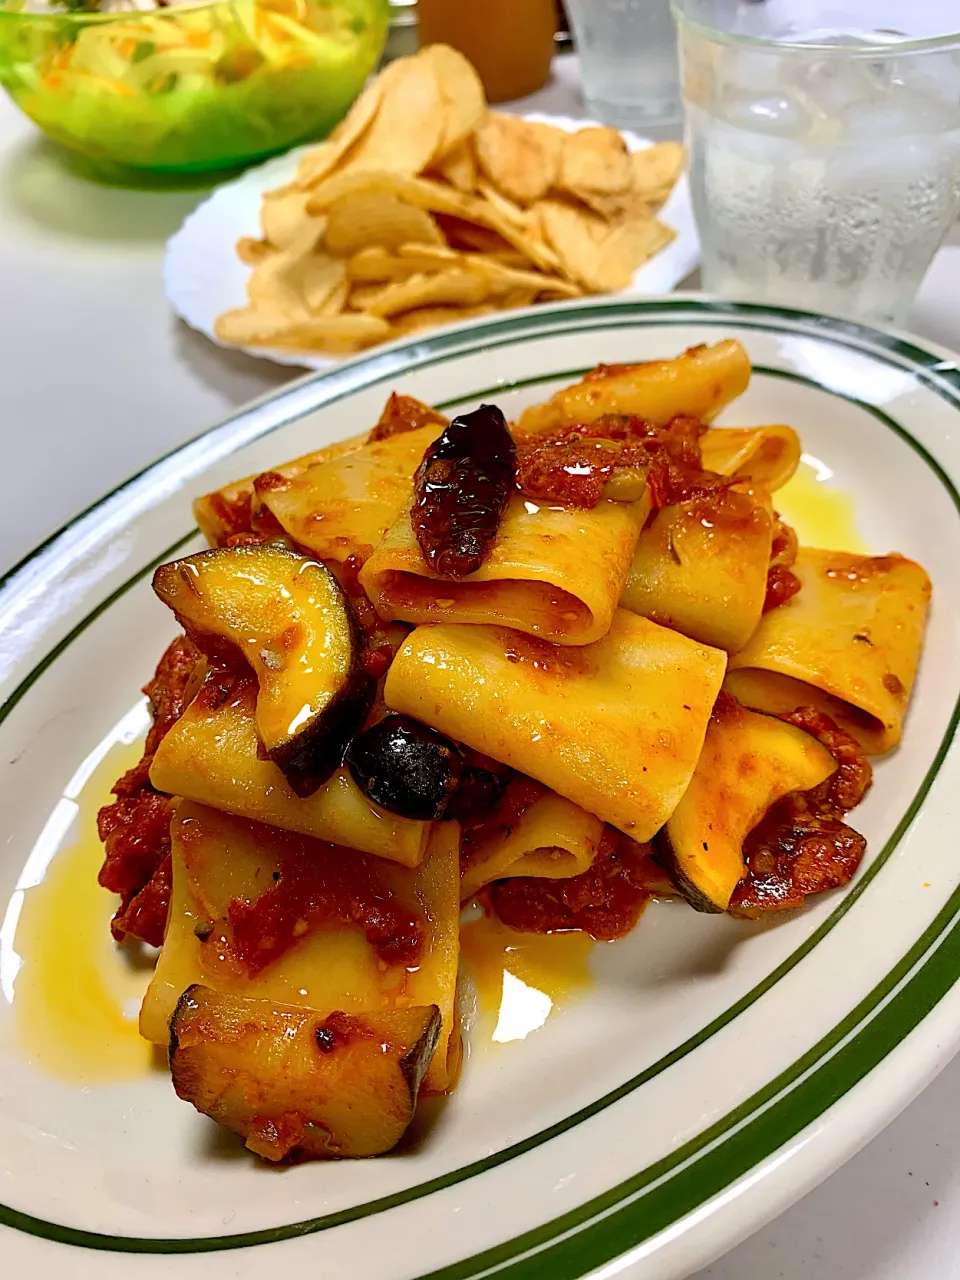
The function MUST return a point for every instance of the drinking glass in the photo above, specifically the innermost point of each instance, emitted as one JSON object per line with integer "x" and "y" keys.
{"x": 628, "y": 60}
{"x": 824, "y": 143}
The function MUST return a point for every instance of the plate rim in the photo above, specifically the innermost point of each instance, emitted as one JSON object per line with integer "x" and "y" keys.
{"x": 897, "y": 987}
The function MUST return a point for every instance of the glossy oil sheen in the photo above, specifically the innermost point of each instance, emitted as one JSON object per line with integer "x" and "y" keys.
{"x": 521, "y": 979}
{"x": 821, "y": 513}
{"x": 77, "y": 994}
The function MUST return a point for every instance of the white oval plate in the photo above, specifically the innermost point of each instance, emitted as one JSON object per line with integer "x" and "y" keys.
{"x": 715, "y": 1069}
{"x": 203, "y": 277}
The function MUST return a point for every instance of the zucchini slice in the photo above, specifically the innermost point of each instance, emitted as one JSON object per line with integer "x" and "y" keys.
{"x": 291, "y": 1080}
{"x": 288, "y": 616}
{"x": 748, "y": 762}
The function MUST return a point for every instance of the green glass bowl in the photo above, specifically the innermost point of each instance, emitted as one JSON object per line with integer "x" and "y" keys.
{"x": 190, "y": 88}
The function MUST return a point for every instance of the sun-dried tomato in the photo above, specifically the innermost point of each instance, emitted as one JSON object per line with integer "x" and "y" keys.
{"x": 401, "y": 414}
{"x": 801, "y": 846}
{"x": 461, "y": 489}
{"x": 606, "y": 901}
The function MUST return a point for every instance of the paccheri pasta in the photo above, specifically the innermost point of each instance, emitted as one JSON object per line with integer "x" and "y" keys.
{"x": 551, "y": 667}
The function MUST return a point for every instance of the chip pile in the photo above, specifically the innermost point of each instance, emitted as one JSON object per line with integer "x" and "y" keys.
{"x": 423, "y": 207}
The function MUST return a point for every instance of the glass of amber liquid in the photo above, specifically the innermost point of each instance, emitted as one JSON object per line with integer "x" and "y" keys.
{"x": 510, "y": 42}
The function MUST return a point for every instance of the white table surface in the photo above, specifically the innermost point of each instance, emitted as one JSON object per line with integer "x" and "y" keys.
{"x": 97, "y": 379}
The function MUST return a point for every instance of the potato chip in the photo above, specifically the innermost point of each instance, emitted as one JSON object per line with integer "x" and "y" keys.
{"x": 519, "y": 298}
{"x": 575, "y": 235}
{"x": 454, "y": 286}
{"x": 550, "y": 136}
{"x": 502, "y": 276}
{"x": 319, "y": 277}
{"x": 376, "y": 265}
{"x": 284, "y": 219}
{"x": 617, "y": 207}
{"x": 407, "y": 130}
{"x": 316, "y": 164}
{"x": 250, "y": 326}
{"x": 336, "y": 300}
{"x": 432, "y": 317}
{"x": 503, "y": 279}
{"x": 520, "y": 158}
{"x": 360, "y": 294}
{"x": 459, "y": 168}
{"x": 603, "y": 260}
{"x": 509, "y": 258}
{"x": 506, "y": 208}
{"x": 422, "y": 192}
{"x": 461, "y": 89}
{"x": 252, "y": 251}
{"x": 440, "y": 254}
{"x": 275, "y": 286}
{"x": 370, "y": 217}
{"x": 438, "y": 199}
{"x": 656, "y": 170}
{"x": 462, "y": 234}
{"x": 627, "y": 248}
{"x": 527, "y": 240}
{"x": 336, "y": 334}
{"x": 596, "y": 161}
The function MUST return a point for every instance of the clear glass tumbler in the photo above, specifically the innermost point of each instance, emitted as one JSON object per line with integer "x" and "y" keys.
{"x": 628, "y": 60}
{"x": 824, "y": 140}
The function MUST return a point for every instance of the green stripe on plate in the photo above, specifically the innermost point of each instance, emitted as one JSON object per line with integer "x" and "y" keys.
{"x": 944, "y": 381}
{"x": 370, "y": 370}
{"x": 629, "y": 1214}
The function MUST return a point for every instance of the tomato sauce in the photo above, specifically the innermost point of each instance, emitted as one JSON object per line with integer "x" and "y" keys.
{"x": 782, "y": 585}
{"x": 233, "y": 515}
{"x": 801, "y": 846}
{"x": 573, "y": 466}
{"x": 605, "y": 901}
{"x": 135, "y": 828}
{"x": 509, "y": 805}
{"x": 310, "y": 893}
{"x": 401, "y": 414}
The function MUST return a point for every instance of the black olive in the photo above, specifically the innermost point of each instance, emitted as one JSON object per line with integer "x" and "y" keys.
{"x": 406, "y": 767}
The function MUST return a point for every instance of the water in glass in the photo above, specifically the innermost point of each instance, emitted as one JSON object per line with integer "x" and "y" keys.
{"x": 823, "y": 177}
